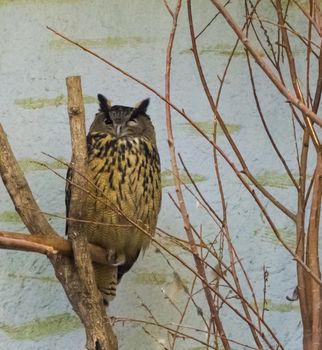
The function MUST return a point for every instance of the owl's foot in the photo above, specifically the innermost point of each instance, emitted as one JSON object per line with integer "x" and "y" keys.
{"x": 114, "y": 259}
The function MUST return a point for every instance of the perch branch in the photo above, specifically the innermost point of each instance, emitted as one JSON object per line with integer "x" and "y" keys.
{"x": 46, "y": 244}
{"x": 90, "y": 307}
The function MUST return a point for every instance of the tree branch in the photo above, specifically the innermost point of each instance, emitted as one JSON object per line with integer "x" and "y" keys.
{"x": 90, "y": 306}
{"x": 45, "y": 244}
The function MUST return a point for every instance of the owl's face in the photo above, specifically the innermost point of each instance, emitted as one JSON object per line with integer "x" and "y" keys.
{"x": 122, "y": 121}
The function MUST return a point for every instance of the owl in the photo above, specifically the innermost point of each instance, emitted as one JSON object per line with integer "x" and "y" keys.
{"x": 124, "y": 188}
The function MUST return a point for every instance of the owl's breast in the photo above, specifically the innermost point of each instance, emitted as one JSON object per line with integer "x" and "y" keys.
{"x": 127, "y": 172}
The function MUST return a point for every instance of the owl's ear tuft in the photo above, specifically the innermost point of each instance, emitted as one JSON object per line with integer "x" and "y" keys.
{"x": 142, "y": 106}
{"x": 104, "y": 104}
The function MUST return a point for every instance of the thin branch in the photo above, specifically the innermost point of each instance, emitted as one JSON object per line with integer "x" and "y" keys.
{"x": 268, "y": 133}
{"x": 210, "y": 22}
{"x": 308, "y": 16}
{"x": 293, "y": 71}
{"x": 168, "y": 8}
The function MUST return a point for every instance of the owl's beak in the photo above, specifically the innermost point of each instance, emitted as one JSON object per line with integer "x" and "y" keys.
{"x": 118, "y": 129}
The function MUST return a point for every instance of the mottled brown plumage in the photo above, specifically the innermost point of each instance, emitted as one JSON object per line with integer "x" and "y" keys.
{"x": 124, "y": 186}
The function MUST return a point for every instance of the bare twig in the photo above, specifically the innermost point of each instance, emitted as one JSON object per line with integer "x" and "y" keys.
{"x": 210, "y": 22}
{"x": 168, "y": 8}
{"x": 269, "y": 135}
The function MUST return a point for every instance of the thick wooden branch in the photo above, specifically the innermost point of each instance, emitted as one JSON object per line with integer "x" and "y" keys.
{"x": 77, "y": 206}
{"x": 19, "y": 190}
{"x": 90, "y": 309}
{"x": 47, "y": 245}
{"x": 79, "y": 149}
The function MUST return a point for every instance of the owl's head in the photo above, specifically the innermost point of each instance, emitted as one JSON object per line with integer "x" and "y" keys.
{"x": 122, "y": 121}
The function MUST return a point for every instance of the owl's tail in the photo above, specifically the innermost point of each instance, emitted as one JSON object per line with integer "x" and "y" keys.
{"x": 106, "y": 279}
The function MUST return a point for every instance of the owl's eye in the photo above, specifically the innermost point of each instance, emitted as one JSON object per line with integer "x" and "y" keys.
{"x": 107, "y": 121}
{"x": 132, "y": 122}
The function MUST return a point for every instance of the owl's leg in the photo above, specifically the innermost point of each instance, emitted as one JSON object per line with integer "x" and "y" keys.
{"x": 114, "y": 259}
{"x": 106, "y": 279}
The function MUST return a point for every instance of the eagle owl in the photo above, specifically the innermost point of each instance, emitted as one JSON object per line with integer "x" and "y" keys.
{"x": 124, "y": 188}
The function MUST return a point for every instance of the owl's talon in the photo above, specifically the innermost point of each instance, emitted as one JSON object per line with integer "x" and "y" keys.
{"x": 120, "y": 260}
{"x": 110, "y": 256}
{"x": 72, "y": 235}
{"x": 113, "y": 259}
